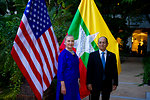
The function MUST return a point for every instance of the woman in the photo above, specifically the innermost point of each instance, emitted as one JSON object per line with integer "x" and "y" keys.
{"x": 68, "y": 73}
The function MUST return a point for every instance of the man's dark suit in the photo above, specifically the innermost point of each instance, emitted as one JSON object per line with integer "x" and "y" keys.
{"x": 95, "y": 72}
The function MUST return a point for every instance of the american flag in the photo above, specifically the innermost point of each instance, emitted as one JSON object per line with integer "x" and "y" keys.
{"x": 35, "y": 48}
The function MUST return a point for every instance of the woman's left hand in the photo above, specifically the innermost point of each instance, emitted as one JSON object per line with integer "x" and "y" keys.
{"x": 79, "y": 83}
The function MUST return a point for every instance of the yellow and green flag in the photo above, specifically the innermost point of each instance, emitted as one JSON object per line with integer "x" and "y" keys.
{"x": 87, "y": 27}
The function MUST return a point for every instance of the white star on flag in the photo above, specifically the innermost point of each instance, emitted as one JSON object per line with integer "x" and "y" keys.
{"x": 83, "y": 43}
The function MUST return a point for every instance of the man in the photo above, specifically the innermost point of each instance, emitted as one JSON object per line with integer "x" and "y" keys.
{"x": 102, "y": 75}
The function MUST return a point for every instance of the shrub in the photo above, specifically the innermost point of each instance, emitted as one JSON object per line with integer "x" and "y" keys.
{"x": 146, "y": 75}
{"x": 9, "y": 72}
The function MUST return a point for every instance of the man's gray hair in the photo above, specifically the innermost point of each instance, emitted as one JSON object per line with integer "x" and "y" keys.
{"x": 105, "y": 38}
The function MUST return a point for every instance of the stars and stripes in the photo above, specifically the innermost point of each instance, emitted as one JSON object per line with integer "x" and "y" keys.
{"x": 35, "y": 48}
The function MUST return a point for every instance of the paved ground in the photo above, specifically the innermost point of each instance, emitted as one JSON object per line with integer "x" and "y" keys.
{"x": 128, "y": 88}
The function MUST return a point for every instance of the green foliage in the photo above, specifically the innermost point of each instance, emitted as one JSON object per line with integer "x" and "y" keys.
{"x": 128, "y": 1}
{"x": 7, "y": 94}
{"x": 146, "y": 76}
{"x": 9, "y": 72}
{"x": 61, "y": 20}
{"x": 12, "y": 6}
{"x": 2, "y": 8}
{"x": 61, "y": 2}
{"x": 20, "y": 5}
{"x": 146, "y": 73}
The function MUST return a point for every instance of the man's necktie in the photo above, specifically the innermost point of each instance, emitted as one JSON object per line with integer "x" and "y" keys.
{"x": 103, "y": 62}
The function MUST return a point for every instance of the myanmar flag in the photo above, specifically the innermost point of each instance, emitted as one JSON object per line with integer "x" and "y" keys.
{"x": 87, "y": 27}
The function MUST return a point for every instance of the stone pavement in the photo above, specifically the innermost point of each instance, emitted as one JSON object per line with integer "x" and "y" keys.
{"x": 128, "y": 88}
